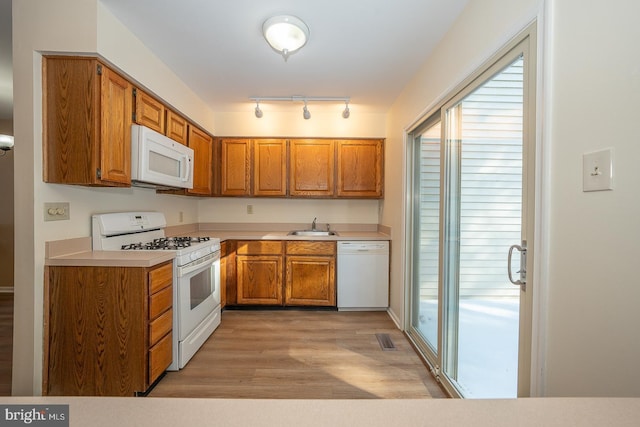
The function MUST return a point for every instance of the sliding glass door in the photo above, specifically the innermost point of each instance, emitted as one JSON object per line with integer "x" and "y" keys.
{"x": 471, "y": 210}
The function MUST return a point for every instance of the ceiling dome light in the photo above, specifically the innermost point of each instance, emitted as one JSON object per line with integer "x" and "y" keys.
{"x": 6, "y": 143}
{"x": 258, "y": 110}
{"x": 285, "y": 34}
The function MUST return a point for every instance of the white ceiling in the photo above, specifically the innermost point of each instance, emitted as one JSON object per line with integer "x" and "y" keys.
{"x": 366, "y": 50}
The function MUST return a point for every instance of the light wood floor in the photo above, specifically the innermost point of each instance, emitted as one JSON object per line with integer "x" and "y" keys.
{"x": 302, "y": 355}
{"x": 6, "y": 342}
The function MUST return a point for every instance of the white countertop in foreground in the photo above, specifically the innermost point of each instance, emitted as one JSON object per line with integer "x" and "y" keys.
{"x": 159, "y": 412}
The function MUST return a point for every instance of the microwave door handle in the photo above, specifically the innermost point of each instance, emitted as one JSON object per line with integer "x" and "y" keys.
{"x": 187, "y": 170}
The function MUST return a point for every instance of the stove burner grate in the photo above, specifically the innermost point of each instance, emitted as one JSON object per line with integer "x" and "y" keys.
{"x": 165, "y": 243}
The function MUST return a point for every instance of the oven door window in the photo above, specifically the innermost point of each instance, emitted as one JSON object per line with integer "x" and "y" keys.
{"x": 200, "y": 288}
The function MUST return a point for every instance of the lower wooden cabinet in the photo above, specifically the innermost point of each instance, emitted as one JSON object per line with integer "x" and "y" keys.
{"x": 108, "y": 330}
{"x": 293, "y": 273}
{"x": 310, "y": 274}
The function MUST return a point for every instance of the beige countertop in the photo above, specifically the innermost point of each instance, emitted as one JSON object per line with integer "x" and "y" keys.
{"x": 159, "y": 412}
{"x": 77, "y": 252}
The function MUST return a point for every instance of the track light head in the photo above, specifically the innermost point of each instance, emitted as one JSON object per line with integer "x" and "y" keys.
{"x": 258, "y": 110}
{"x": 305, "y": 112}
{"x": 346, "y": 113}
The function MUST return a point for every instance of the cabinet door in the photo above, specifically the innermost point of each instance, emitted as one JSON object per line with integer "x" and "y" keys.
{"x": 312, "y": 167}
{"x": 236, "y": 167}
{"x": 149, "y": 111}
{"x": 202, "y": 145}
{"x": 115, "y": 131}
{"x": 270, "y": 167}
{"x": 176, "y": 127}
{"x": 310, "y": 280}
{"x": 259, "y": 279}
{"x": 360, "y": 168}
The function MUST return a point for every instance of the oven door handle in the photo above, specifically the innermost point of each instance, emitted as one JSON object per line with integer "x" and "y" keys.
{"x": 199, "y": 264}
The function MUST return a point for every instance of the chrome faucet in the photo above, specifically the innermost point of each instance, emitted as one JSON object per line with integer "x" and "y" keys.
{"x": 313, "y": 224}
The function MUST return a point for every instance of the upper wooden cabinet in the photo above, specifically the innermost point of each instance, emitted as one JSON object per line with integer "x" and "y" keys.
{"x": 87, "y": 123}
{"x": 176, "y": 127}
{"x": 270, "y": 167}
{"x": 311, "y": 167}
{"x": 359, "y": 168}
{"x": 202, "y": 145}
{"x": 235, "y": 167}
{"x": 149, "y": 111}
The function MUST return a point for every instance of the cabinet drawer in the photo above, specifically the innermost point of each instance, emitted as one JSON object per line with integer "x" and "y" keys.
{"x": 160, "y": 277}
{"x": 311, "y": 248}
{"x": 160, "y": 357}
{"x": 159, "y": 327}
{"x": 160, "y": 302}
{"x": 259, "y": 247}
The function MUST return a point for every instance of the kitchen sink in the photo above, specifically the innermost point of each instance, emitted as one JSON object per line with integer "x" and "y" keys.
{"x": 312, "y": 233}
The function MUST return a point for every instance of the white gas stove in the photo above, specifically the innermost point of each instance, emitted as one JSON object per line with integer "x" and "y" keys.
{"x": 196, "y": 273}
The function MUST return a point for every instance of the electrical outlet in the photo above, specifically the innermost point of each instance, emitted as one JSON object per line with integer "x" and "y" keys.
{"x": 180, "y": 216}
{"x": 250, "y": 209}
{"x": 56, "y": 211}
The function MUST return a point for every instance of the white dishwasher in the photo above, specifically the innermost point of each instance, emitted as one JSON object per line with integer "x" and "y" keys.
{"x": 363, "y": 275}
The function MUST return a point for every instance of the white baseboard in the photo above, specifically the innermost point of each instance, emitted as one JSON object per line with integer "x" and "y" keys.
{"x": 395, "y": 319}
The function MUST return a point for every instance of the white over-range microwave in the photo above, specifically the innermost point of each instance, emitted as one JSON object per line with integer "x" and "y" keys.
{"x": 157, "y": 161}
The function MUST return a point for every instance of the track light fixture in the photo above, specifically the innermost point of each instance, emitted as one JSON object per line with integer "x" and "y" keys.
{"x": 305, "y": 112}
{"x": 305, "y": 99}
{"x": 258, "y": 110}
{"x": 346, "y": 113}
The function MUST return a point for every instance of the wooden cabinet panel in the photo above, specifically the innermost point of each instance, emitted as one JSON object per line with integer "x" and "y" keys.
{"x": 160, "y": 326}
{"x": 97, "y": 319}
{"x": 176, "y": 127}
{"x": 115, "y": 131}
{"x": 160, "y": 302}
{"x": 236, "y": 167}
{"x": 310, "y": 280}
{"x": 149, "y": 111}
{"x": 160, "y": 278}
{"x": 310, "y": 248}
{"x": 259, "y": 279}
{"x": 270, "y": 167}
{"x": 101, "y": 337}
{"x": 202, "y": 145}
{"x": 311, "y": 167}
{"x": 360, "y": 168}
{"x": 259, "y": 247}
{"x": 87, "y": 123}
{"x": 160, "y": 356}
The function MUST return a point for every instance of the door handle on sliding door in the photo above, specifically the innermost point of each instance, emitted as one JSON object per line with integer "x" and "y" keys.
{"x": 522, "y": 281}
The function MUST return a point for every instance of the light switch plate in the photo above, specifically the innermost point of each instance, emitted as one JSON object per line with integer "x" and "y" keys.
{"x": 597, "y": 170}
{"x": 56, "y": 211}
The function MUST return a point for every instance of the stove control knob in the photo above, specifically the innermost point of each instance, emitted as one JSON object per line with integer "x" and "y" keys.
{"x": 212, "y": 248}
{"x": 194, "y": 255}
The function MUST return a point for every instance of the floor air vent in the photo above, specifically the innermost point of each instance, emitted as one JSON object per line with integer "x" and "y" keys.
{"x": 385, "y": 342}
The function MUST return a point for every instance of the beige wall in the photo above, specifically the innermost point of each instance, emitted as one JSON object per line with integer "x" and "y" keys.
{"x": 593, "y": 345}
{"x": 6, "y": 210}
{"x": 45, "y": 26}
